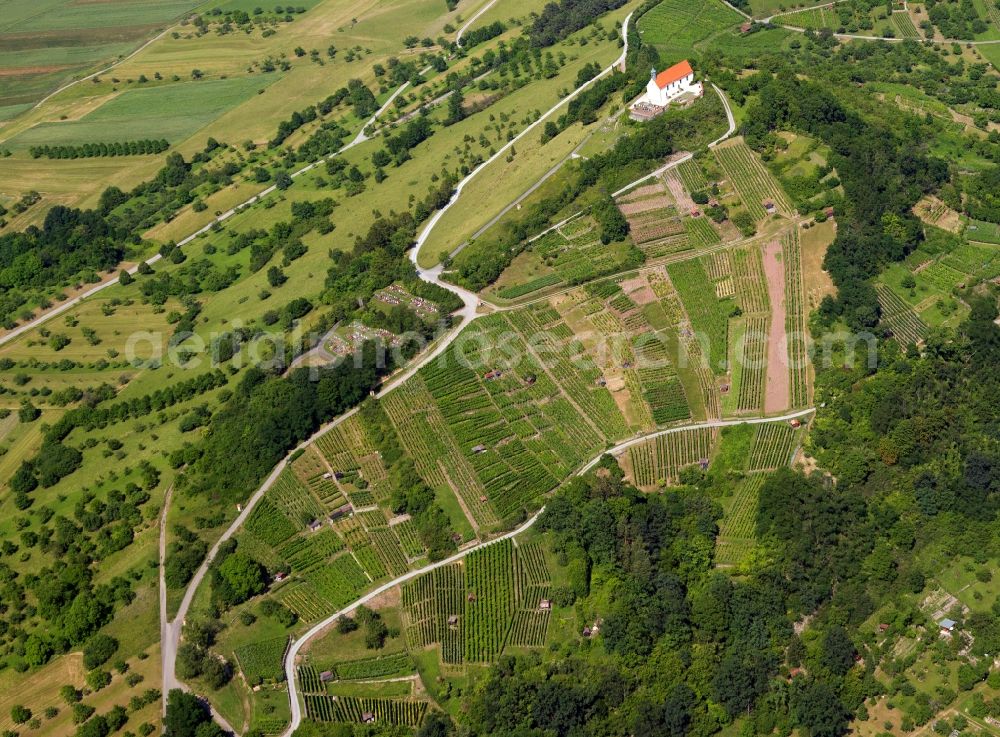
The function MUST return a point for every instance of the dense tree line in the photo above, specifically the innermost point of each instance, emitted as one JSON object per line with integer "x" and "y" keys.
{"x": 413, "y": 134}
{"x": 482, "y": 34}
{"x": 141, "y": 147}
{"x": 559, "y": 20}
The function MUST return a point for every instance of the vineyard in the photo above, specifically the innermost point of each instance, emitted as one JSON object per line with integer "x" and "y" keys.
{"x": 326, "y": 589}
{"x": 309, "y": 680}
{"x": 905, "y": 325}
{"x": 423, "y": 431}
{"x": 749, "y": 282}
{"x": 657, "y": 461}
{"x": 371, "y": 668}
{"x": 738, "y": 527}
{"x": 903, "y": 25}
{"x": 752, "y": 180}
{"x": 325, "y": 708}
{"x": 651, "y": 213}
{"x": 980, "y": 261}
{"x": 753, "y": 365}
{"x": 294, "y": 500}
{"x": 570, "y": 255}
{"x": 772, "y": 446}
{"x": 474, "y": 609}
{"x": 531, "y": 620}
{"x": 312, "y": 471}
{"x": 269, "y": 524}
{"x": 332, "y": 558}
{"x": 700, "y": 232}
{"x": 357, "y": 469}
{"x": 518, "y": 425}
{"x": 262, "y": 660}
{"x": 709, "y": 316}
{"x": 491, "y": 601}
{"x": 636, "y": 361}
{"x": 796, "y": 330}
{"x": 692, "y": 176}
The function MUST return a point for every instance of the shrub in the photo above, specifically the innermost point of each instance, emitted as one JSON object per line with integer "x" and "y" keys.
{"x": 98, "y": 650}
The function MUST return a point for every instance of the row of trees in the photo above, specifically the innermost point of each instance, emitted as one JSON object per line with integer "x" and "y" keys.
{"x": 141, "y": 147}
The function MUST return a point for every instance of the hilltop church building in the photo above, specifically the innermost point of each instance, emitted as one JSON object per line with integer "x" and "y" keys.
{"x": 663, "y": 88}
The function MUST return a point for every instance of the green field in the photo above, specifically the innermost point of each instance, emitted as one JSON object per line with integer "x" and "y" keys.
{"x": 173, "y": 112}
{"x": 47, "y": 43}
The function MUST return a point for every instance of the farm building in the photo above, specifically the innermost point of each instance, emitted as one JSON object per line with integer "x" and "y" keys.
{"x": 947, "y": 626}
{"x": 675, "y": 83}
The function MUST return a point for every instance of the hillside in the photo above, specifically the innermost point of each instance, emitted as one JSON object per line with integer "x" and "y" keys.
{"x": 377, "y": 369}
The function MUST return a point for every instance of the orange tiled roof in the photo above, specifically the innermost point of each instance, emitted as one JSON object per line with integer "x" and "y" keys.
{"x": 678, "y": 71}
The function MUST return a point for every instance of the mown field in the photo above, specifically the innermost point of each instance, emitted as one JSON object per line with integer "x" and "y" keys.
{"x": 48, "y": 43}
{"x": 174, "y": 112}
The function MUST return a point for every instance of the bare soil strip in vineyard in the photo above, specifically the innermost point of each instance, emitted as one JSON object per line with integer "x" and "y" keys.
{"x": 677, "y": 189}
{"x": 777, "y": 394}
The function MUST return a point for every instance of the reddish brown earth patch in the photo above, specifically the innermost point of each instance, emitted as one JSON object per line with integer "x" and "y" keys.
{"x": 777, "y": 393}
{"x": 653, "y": 203}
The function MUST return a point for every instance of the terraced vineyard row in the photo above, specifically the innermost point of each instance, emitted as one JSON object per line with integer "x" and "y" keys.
{"x": 326, "y": 708}
{"x": 492, "y": 600}
{"x": 379, "y": 667}
{"x": 904, "y": 323}
{"x": 752, "y": 180}
{"x": 737, "y": 530}
{"x": 903, "y": 25}
{"x": 709, "y": 317}
{"x": 753, "y": 366}
{"x": 700, "y": 232}
{"x": 772, "y": 446}
{"x": 660, "y": 459}
{"x": 796, "y": 330}
{"x": 749, "y": 281}
{"x": 666, "y": 246}
{"x": 309, "y": 680}
{"x": 691, "y": 175}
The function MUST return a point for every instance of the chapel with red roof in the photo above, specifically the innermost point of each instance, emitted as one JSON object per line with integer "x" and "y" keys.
{"x": 671, "y": 84}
